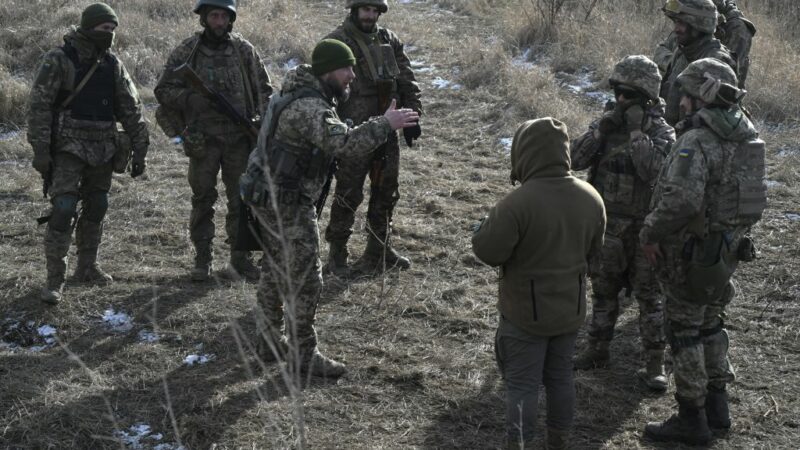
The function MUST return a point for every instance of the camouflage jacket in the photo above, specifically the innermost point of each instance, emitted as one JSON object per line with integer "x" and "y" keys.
{"x": 234, "y": 69}
{"x": 310, "y": 124}
{"x": 708, "y": 47}
{"x": 624, "y": 165}
{"x": 92, "y": 141}
{"x": 363, "y": 102}
{"x": 697, "y": 177}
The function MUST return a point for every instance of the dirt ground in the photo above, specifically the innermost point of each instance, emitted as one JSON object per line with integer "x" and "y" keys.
{"x": 418, "y": 343}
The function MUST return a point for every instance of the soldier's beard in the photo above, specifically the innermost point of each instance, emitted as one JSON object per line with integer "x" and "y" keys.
{"x": 341, "y": 93}
{"x": 367, "y": 25}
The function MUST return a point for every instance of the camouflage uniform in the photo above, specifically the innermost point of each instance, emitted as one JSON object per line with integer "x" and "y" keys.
{"x": 706, "y": 46}
{"x": 211, "y": 140}
{"x": 384, "y": 164}
{"x": 625, "y": 163}
{"x": 708, "y": 195}
{"x": 82, "y": 141}
{"x": 291, "y": 277}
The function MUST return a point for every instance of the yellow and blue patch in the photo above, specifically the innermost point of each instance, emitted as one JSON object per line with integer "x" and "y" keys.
{"x": 685, "y": 153}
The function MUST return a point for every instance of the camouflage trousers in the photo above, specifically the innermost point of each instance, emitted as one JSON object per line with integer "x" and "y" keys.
{"x": 221, "y": 152}
{"x": 621, "y": 264}
{"x": 74, "y": 180}
{"x": 699, "y": 345}
{"x": 291, "y": 274}
{"x": 349, "y": 193}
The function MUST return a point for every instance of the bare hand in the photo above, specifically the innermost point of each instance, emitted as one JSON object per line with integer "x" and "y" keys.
{"x": 401, "y": 118}
{"x": 652, "y": 253}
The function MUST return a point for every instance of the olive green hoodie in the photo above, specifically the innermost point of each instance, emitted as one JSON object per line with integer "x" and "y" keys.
{"x": 542, "y": 234}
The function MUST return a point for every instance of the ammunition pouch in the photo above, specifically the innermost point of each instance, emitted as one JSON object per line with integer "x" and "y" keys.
{"x": 119, "y": 163}
{"x": 709, "y": 270}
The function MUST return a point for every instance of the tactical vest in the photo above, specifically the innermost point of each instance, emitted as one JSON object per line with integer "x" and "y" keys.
{"x": 95, "y": 102}
{"x": 741, "y": 197}
{"x": 289, "y": 165}
{"x": 615, "y": 179}
{"x": 376, "y": 66}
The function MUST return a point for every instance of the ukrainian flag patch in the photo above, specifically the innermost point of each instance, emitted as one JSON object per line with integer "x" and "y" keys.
{"x": 685, "y": 153}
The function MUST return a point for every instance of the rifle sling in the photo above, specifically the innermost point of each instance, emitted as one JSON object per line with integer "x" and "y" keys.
{"x": 80, "y": 86}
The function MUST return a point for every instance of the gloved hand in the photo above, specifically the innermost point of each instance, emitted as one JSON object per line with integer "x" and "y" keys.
{"x": 412, "y": 134}
{"x": 611, "y": 121}
{"x": 634, "y": 118}
{"x": 42, "y": 161}
{"x": 138, "y": 165}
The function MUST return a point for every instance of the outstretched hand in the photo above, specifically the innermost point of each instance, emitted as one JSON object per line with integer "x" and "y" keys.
{"x": 401, "y": 118}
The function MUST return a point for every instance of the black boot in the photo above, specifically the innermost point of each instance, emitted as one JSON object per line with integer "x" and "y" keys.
{"x": 717, "y": 411}
{"x": 337, "y": 259}
{"x": 376, "y": 255}
{"x": 689, "y": 426}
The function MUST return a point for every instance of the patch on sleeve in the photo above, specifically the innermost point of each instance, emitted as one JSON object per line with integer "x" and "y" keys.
{"x": 335, "y": 127}
{"x": 684, "y": 162}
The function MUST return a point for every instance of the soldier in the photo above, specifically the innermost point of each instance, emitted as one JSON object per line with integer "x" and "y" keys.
{"x": 299, "y": 139}
{"x": 229, "y": 64}
{"x": 709, "y": 194}
{"x": 625, "y": 149}
{"x": 79, "y": 94}
{"x": 383, "y": 72}
{"x": 695, "y": 22}
{"x": 733, "y": 30}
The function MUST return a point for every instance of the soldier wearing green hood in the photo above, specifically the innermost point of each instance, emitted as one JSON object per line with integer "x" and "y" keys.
{"x": 383, "y": 72}
{"x": 709, "y": 194}
{"x": 80, "y": 93}
{"x": 625, "y": 149}
{"x": 229, "y": 64}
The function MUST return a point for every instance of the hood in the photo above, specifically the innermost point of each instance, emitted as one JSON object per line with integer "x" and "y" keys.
{"x": 301, "y": 77}
{"x": 540, "y": 149}
{"x": 729, "y": 124}
{"x": 85, "y": 47}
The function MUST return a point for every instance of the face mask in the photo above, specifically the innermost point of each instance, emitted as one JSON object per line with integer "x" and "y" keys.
{"x": 101, "y": 39}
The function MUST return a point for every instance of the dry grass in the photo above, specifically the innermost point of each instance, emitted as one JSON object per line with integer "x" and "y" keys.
{"x": 418, "y": 343}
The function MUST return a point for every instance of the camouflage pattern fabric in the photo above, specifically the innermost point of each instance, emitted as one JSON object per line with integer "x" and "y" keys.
{"x": 291, "y": 277}
{"x": 363, "y": 104}
{"x": 211, "y": 140}
{"x": 624, "y": 182}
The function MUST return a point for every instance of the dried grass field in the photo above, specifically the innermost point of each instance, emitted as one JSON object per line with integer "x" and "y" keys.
{"x": 155, "y": 361}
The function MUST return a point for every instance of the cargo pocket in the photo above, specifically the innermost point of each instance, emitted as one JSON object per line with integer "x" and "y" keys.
{"x": 611, "y": 259}
{"x": 708, "y": 272}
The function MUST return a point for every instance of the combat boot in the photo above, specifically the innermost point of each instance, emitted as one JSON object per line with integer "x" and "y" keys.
{"x": 202, "y": 261}
{"x": 653, "y": 375}
{"x": 337, "y": 259}
{"x": 241, "y": 266}
{"x": 52, "y": 292}
{"x": 88, "y": 235}
{"x": 56, "y": 247}
{"x": 376, "y": 254}
{"x": 689, "y": 426}
{"x": 317, "y": 364}
{"x": 556, "y": 439}
{"x": 276, "y": 352}
{"x": 596, "y": 355}
{"x": 717, "y": 410}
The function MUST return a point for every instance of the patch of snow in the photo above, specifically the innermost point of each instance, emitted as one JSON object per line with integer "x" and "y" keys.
{"x": 9, "y": 135}
{"x": 582, "y": 83}
{"x": 523, "y": 60}
{"x": 140, "y": 437}
{"x": 48, "y": 333}
{"x": 118, "y": 322}
{"x": 291, "y": 64}
{"x": 772, "y": 184}
{"x": 27, "y": 336}
{"x": 506, "y": 143}
{"x": 786, "y": 152}
{"x": 793, "y": 217}
{"x": 198, "y": 359}
{"x": 441, "y": 83}
{"x": 410, "y": 48}
{"x": 148, "y": 336}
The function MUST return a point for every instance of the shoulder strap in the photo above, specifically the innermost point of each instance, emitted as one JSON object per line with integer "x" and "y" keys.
{"x": 284, "y": 100}
{"x": 356, "y": 36}
{"x": 80, "y": 85}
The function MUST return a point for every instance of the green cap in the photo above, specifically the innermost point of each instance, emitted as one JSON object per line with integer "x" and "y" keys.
{"x": 330, "y": 55}
{"x": 97, "y": 13}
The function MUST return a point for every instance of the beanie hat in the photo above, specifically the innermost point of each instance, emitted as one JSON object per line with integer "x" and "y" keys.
{"x": 330, "y": 55}
{"x": 96, "y": 14}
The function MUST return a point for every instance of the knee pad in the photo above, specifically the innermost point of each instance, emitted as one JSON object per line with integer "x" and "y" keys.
{"x": 95, "y": 206}
{"x": 64, "y": 207}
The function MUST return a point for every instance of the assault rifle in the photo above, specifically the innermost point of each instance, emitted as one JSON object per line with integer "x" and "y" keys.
{"x": 379, "y": 161}
{"x": 222, "y": 104}
{"x": 326, "y": 188}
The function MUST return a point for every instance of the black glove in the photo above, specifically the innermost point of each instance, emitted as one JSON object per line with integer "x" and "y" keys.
{"x": 42, "y": 161}
{"x": 412, "y": 134}
{"x": 138, "y": 166}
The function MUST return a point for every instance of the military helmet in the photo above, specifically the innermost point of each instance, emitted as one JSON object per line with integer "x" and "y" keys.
{"x": 228, "y": 5}
{"x": 382, "y": 5}
{"x": 712, "y": 81}
{"x": 638, "y": 72}
{"x": 700, "y": 14}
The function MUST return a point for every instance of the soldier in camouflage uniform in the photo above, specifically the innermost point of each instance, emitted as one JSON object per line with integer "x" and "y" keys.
{"x": 625, "y": 149}
{"x": 229, "y": 64}
{"x": 76, "y": 147}
{"x": 709, "y": 194}
{"x": 695, "y": 23}
{"x": 383, "y": 72}
{"x": 300, "y": 137}
{"x": 733, "y": 30}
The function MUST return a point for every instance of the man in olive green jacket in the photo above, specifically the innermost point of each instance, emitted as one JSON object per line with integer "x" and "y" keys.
{"x": 541, "y": 236}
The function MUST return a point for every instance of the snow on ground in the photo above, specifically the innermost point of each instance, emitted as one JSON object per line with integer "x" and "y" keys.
{"x": 117, "y": 321}
{"x": 441, "y": 83}
{"x": 793, "y": 217}
{"x": 582, "y": 83}
{"x": 291, "y": 64}
{"x": 141, "y": 437}
{"x": 198, "y": 359}
{"x": 16, "y": 335}
{"x": 506, "y": 143}
{"x": 9, "y": 135}
{"x": 147, "y": 336}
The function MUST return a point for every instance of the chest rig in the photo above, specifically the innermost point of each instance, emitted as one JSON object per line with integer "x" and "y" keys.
{"x": 614, "y": 177}
{"x": 95, "y": 101}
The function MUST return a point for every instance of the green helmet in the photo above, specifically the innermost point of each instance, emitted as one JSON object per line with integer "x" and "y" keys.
{"x": 382, "y": 5}
{"x": 638, "y": 72}
{"x": 712, "y": 81}
{"x": 700, "y": 14}
{"x": 228, "y": 5}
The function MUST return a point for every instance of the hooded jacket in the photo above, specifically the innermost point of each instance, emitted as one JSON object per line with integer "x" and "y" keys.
{"x": 542, "y": 234}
